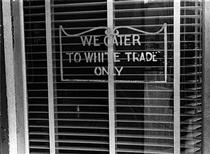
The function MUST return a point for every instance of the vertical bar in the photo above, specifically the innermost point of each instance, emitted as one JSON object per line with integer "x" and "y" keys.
{"x": 4, "y": 147}
{"x": 20, "y": 77}
{"x": 165, "y": 51}
{"x": 206, "y": 77}
{"x": 26, "y": 131}
{"x": 4, "y": 138}
{"x": 177, "y": 10}
{"x": 111, "y": 90}
{"x": 22, "y": 35}
{"x": 61, "y": 55}
{"x": 50, "y": 75}
{"x": 10, "y": 76}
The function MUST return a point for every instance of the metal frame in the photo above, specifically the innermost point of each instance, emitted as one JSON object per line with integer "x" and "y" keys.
{"x": 20, "y": 77}
{"x": 206, "y": 77}
{"x": 177, "y": 11}
{"x": 50, "y": 76}
{"x": 111, "y": 84}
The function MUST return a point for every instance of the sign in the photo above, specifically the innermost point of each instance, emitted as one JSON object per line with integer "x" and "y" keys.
{"x": 139, "y": 56}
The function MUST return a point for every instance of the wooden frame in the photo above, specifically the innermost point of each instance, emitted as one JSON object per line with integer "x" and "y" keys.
{"x": 10, "y": 76}
{"x": 16, "y": 91}
{"x": 14, "y": 48}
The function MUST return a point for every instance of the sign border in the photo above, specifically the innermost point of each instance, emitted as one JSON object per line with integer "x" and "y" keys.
{"x": 110, "y": 33}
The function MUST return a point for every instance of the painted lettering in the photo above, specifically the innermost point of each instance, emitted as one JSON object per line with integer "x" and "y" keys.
{"x": 141, "y": 57}
{"x": 101, "y": 71}
{"x": 86, "y": 40}
{"x": 69, "y": 56}
{"x": 75, "y": 57}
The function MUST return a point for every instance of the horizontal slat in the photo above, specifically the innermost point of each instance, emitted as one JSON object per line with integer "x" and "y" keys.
{"x": 146, "y": 151}
{"x": 39, "y": 147}
{"x": 169, "y": 50}
{"x": 70, "y": 20}
{"x": 144, "y": 121}
{"x": 144, "y": 129}
{"x": 144, "y": 136}
{"x": 131, "y": 67}
{"x": 141, "y": 1}
{"x": 83, "y": 127}
{"x": 38, "y": 133}
{"x": 38, "y": 126}
{"x": 82, "y": 134}
{"x": 120, "y": 98}
{"x": 117, "y": 82}
{"x": 66, "y": 5}
{"x": 166, "y": 145}
{"x": 68, "y": 13}
{"x": 191, "y": 135}
{"x": 82, "y": 149}
{"x": 191, "y": 142}
{"x": 134, "y": 26}
{"x": 192, "y": 150}
{"x": 116, "y": 19}
{"x": 77, "y": 4}
{"x": 80, "y": 120}
{"x": 130, "y": 106}
{"x": 39, "y": 140}
{"x": 81, "y": 141}
{"x": 120, "y": 10}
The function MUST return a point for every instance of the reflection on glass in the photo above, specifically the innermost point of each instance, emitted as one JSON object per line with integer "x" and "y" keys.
{"x": 144, "y": 111}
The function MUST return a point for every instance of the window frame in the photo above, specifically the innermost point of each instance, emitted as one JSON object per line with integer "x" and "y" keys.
{"x": 16, "y": 79}
{"x": 206, "y": 76}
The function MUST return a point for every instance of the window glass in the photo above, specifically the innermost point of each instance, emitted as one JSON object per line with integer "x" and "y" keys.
{"x": 143, "y": 52}
{"x": 144, "y": 111}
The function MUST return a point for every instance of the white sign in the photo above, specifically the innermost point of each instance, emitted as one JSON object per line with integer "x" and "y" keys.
{"x": 85, "y": 63}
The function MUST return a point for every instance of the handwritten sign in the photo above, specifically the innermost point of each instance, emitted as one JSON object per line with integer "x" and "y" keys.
{"x": 138, "y": 56}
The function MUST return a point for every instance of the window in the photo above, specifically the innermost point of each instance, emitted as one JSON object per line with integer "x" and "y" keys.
{"x": 77, "y": 104}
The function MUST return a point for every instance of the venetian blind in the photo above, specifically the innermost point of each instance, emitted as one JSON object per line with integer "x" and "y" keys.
{"x": 143, "y": 92}
{"x": 191, "y": 76}
{"x": 36, "y": 65}
{"x": 144, "y": 111}
{"x": 81, "y": 107}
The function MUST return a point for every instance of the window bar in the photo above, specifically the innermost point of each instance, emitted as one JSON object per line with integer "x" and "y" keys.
{"x": 165, "y": 53}
{"x": 20, "y": 45}
{"x": 177, "y": 8}
{"x": 206, "y": 71}
{"x": 196, "y": 47}
{"x": 10, "y": 76}
{"x": 50, "y": 76}
{"x": 111, "y": 79}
